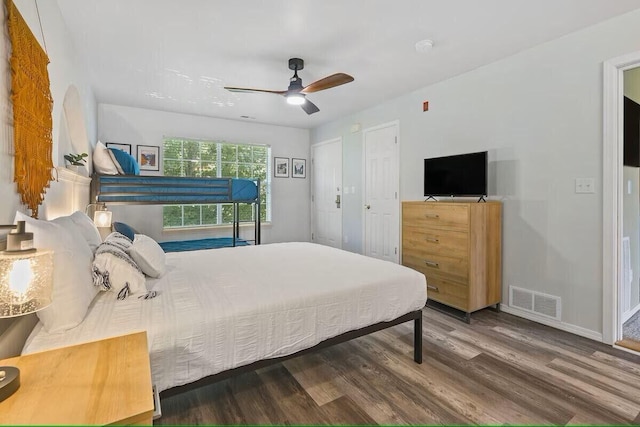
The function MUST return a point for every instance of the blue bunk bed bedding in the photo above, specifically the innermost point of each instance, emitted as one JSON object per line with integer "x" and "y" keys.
{"x": 183, "y": 245}
{"x": 196, "y": 245}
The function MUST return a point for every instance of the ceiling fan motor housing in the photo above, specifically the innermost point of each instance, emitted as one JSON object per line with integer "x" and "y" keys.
{"x": 295, "y": 85}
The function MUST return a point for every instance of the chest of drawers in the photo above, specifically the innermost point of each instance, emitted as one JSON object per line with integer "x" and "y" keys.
{"x": 457, "y": 245}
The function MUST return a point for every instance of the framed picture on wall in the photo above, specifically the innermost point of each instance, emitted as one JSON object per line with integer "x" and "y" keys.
{"x": 124, "y": 147}
{"x": 281, "y": 167}
{"x": 148, "y": 157}
{"x": 298, "y": 168}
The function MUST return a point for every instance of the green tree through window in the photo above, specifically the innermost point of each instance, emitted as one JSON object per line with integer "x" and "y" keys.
{"x": 188, "y": 157}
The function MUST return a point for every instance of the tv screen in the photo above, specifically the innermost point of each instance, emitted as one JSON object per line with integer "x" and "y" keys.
{"x": 460, "y": 175}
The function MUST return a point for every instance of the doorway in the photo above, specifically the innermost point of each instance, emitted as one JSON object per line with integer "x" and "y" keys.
{"x": 630, "y": 280}
{"x": 614, "y": 286}
{"x": 326, "y": 193}
{"x": 381, "y": 236}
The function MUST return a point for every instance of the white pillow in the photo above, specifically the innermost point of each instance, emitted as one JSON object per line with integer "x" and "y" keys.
{"x": 114, "y": 270}
{"x": 87, "y": 229}
{"x": 72, "y": 290}
{"x": 102, "y": 161}
{"x": 149, "y": 256}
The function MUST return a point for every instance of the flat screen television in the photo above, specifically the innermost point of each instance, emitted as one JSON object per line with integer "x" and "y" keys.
{"x": 459, "y": 175}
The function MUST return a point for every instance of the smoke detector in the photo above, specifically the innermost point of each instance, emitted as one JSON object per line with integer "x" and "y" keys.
{"x": 424, "y": 46}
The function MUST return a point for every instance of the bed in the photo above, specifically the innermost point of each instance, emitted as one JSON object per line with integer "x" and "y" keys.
{"x": 166, "y": 190}
{"x": 223, "y": 311}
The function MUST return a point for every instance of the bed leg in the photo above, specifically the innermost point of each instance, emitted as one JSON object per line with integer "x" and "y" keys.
{"x": 417, "y": 339}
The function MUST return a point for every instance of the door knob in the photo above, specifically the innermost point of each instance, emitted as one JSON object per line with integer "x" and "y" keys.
{"x": 338, "y": 201}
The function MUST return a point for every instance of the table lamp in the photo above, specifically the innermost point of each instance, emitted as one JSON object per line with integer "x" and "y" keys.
{"x": 26, "y": 285}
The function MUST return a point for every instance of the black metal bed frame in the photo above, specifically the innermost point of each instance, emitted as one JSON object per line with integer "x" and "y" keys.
{"x": 416, "y": 316}
{"x": 97, "y": 191}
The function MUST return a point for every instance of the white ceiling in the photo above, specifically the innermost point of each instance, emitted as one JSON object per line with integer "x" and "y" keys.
{"x": 178, "y": 55}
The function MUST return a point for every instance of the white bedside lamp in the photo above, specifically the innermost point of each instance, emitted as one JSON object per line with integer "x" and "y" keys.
{"x": 26, "y": 285}
{"x": 101, "y": 216}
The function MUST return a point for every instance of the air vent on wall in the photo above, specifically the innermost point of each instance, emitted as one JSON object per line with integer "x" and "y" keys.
{"x": 535, "y": 302}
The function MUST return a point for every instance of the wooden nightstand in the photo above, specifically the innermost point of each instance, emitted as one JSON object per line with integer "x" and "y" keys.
{"x": 101, "y": 382}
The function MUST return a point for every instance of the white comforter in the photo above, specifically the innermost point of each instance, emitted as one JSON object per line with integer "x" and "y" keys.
{"x": 222, "y": 308}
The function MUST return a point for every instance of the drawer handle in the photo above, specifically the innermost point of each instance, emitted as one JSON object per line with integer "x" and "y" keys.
{"x": 432, "y": 288}
{"x": 431, "y": 264}
{"x": 432, "y": 216}
{"x": 433, "y": 240}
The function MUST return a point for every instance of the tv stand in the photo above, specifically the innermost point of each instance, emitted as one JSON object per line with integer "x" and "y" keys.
{"x": 482, "y": 199}
{"x": 430, "y": 197}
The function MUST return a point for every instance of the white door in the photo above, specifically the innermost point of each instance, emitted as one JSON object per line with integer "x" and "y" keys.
{"x": 381, "y": 186}
{"x": 326, "y": 193}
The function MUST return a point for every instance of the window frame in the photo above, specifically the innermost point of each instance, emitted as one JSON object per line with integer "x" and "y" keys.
{"x": 264, "y": 182}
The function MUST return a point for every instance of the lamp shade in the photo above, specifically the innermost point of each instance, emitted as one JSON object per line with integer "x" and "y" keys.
{"x": 26, "y": 282}
{"x": 102, "y": 218}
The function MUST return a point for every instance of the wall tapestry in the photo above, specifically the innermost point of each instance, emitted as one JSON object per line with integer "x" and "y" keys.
{"x": 32, "y": 107}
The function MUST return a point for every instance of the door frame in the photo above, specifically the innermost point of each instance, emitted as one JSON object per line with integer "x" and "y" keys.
{"x": 395, "y": 123}
{"x": 312, "y": 182}
{"x": 612, "y": 167}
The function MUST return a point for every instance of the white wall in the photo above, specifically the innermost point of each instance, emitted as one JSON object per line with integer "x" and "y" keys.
{"x": 65, "y": 69}
{"x": 289, "y": 197}
{"x": 539, "y": 113}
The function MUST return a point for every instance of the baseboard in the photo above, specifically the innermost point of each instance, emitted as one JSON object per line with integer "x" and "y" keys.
{"x": 567, "y": 327}
{"x": 628, "y": 315}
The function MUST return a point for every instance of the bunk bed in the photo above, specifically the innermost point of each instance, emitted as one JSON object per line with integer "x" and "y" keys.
{"x": 168, "y": 190}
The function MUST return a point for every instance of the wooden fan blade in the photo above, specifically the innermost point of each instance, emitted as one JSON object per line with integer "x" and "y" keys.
{"x": 328, "y": 82}
{"x": 309, "y": 107}
{"x": 246, "y": 90}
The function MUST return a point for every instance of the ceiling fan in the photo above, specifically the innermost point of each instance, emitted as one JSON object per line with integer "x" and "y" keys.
{"x": 296, "y": 93}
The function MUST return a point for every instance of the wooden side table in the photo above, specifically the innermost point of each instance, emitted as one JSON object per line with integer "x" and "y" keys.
{"x": 101, "y": 382}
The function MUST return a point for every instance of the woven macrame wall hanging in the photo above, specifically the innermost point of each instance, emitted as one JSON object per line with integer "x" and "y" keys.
{"x": 32, "y": 106}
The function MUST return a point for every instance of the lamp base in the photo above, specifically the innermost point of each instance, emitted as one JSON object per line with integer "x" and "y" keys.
{"x": 11, "y": 381}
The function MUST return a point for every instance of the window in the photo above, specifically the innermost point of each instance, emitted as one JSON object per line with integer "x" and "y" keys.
{"x": 188, "y": 157}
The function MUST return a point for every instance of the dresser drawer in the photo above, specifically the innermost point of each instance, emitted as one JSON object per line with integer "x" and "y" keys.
{"x": 435, "y": 242}
{"x": 434, "y": 215}
{"x": 448, "y": 292}
{"x": 457, "y": 269}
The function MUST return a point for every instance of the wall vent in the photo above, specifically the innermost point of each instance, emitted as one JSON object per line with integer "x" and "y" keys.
{"x": 521, "y": 298}
{"x": 535, "y": 302}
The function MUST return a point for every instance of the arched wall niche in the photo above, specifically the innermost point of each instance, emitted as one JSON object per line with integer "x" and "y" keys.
{"x": 72, "y": 136}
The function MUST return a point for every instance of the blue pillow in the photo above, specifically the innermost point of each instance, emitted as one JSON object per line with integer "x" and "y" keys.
{"x": 125, "y": 229}
{"x": 126, "y": 162}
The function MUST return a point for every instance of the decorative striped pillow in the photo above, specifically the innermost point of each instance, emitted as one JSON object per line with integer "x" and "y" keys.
{"x": 114, "y": 270}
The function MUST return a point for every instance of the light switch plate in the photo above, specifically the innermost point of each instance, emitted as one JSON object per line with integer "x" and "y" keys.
{"x": 585, "y": 185}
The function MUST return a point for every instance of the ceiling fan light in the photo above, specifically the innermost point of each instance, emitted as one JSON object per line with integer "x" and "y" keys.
{"x": 296, "y": 99}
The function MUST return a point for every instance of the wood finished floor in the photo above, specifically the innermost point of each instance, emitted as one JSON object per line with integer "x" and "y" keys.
{"x": 500, "y": 369}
